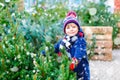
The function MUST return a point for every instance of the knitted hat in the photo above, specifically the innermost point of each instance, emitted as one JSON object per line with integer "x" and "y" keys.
{"x": 71, "y": 18}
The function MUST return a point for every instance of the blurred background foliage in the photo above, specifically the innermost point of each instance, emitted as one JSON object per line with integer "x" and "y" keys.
{"x": 28, "y": 35}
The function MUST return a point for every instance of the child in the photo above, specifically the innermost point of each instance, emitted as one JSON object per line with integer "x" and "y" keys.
{"x": 75, "y": 45}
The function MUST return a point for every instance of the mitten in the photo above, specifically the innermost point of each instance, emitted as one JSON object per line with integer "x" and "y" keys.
{"x": 73, "y": 64}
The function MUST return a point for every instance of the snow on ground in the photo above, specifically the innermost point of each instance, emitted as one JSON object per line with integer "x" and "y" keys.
{"x": 106, "y": 70}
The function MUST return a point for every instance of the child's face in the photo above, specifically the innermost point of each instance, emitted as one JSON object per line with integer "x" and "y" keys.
{"x": 71, "y": 29}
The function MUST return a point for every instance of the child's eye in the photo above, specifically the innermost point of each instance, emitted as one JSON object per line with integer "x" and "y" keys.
{"x": 67, "y": 27}
{"x": 73, "y": 26}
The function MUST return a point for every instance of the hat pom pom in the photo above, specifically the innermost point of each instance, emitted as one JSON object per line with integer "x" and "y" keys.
{"x": 71, "y": 14}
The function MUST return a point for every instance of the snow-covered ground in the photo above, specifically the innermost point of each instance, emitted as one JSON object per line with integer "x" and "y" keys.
{"x": 106, "y": 70}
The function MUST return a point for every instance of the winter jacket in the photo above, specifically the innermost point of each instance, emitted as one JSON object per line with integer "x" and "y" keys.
{"x": 78, "y": 50}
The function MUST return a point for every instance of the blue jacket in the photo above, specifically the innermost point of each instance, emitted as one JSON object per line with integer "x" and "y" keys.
{"x": 78, "y": 50}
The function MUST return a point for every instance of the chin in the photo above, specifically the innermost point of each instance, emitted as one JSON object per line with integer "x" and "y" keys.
{"x": 71, "y": 35}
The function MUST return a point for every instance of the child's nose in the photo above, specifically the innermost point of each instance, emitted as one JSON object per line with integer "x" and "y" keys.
{"x": 71, "y": 28}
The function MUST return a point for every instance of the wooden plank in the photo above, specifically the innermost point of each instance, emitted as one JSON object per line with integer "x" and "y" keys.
{"x": 103, "y": 44}
{"x": 97, "y": 30}
{"x": 99, "y": 37}
{"x": 103, "y": 51}
{"x": 107, "y": 57}
{"x": 104, "y": 37}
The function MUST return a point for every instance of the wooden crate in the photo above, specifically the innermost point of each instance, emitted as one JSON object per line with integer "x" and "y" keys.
{"x": 20, "y": 5}
{"x": 103, "y": 36}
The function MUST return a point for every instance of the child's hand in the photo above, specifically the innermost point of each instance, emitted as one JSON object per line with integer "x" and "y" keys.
{"x": 73, "y": 64}
{"x": 59, "y": 59}
{"x": 59, "y": 54}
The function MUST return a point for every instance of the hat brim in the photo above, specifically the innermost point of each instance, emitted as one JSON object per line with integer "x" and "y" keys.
{"x": 71, "y": 21}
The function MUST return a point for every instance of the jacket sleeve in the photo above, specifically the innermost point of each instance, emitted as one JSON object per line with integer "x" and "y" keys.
{"x": 56, "y": 46}
{"x": 80, "y": 50}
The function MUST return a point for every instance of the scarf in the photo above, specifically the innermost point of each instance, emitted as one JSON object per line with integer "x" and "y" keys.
{"x": 68, "y": 41}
